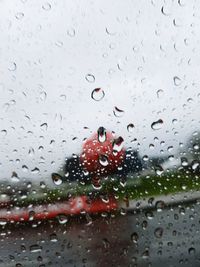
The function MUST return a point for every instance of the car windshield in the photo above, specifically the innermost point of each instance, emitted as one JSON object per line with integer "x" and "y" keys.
{"x": 99, "y": 133}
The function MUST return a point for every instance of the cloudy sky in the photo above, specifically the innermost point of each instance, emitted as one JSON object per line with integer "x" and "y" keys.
{"x": 145, "y": 55}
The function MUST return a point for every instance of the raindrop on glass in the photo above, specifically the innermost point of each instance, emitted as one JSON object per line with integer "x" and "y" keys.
{"x": 118, "y": 112}
{"x": 12, "y": 66}
{"x": 19, "y": 15}
{"x": 130, "y": 127}
{"x": 46, "y": 7}
{"x": 177, "y": 81}
{"x": 101, "y": 134}
{"x": 90, "y": 78}
{"x": 157, "y": 125}
{"x": 158, "y": 232}
{"x": 57, "y": 178}
{"x": 103, "y": 160}
{"x": 97, "y": 94}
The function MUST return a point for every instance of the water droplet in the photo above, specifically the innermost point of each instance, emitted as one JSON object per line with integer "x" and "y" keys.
{"x": 35, "y": 170}
{"x": 117, "y": 145}
{"x": 164, "y": 11}
{"x": 35, "y": 248}
{"x": 62, "y": 218}
{"x": 145, "y": 158}
{"x": 103, "y": 160}
{"x": 14, "y": 177}
{"x": 184, "y": 162}
{"x": 71, "y": 32}
{"x": 53, "y": 237}
{"x": 57, "y": 178}
{"x": 46, "y": 7}
{"x": 130, "y": 127}
{"x": 90, "y": 78}
{"x": 101, "y": 134}
{"x": 191, "y": 251}
{"x": 177, "y": 81}
{"x": 158, "y": 232}
{"x": 160, "y": 205}
{"x": 12, "y": 66}
{"x": 44, "y": 126}
{"x": 134, "y": 237}
{"x": 157, "y": 125}
{"x": 195, "y": 164}
{"x": 159, "y": 170}
{"x": 3, "y": 221}
{"x": 19, "y": 15}
{"x": 4, "y": 132}
{"x": 25, "y": 168}
{"x": 118, "y": 112}
{"x": 31, "y": 215}
{"x": 97, "y": 94}
{"x": 159, "y": 93}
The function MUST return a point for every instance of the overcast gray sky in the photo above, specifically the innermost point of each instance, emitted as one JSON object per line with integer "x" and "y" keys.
{"x": 134, "y": 49}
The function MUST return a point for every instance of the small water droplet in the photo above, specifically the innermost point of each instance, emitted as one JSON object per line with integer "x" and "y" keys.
{"x": 4, "y": 132}
{"x": 24, "y": 168}
{"x": 53, "y": 237}
{"x": 159, "y": 93}
{"x": 134, "y": 237}
{"x": 145, "y": 158}
{"x": 118, "y": 112}
{"x": 62, "y": 218}
{"x": 44, "y": 126}
{"x": 31, "y": 215}
{"x": 101, "y": 134}
{"x": 157, "y": 125}
{"x": 19, "y": 15}
{"x": 191, "y": 251}
{"x": 35, "y": 248}
{"x": 90, "y": 78}
{"x": 103, "y": 160}
{"x": 3, "y": 221}
{"x": 164, "y": 11}
{"x": 130, "y": 127}
{"x": 71, "y": 32}
{"x": 159, "y": 169}
{"x": 195, "y": 164}
{"x": 12, "y": 66}
{"x": 118, "y": 145}
{"x": 46, "y": 6}
{"x": 158, "y": 232}
{"x": 35, "y": 170}
{"x": 97, "y": 94}
{"x": 177, "y": 81}
{"x": 57, "y": 178}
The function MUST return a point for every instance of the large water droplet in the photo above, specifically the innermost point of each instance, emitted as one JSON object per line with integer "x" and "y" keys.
{"x": 156, "y": 125}
{"x": 101, "y": 134}
{"x": 118, "y": 112}
{"x": 97, "y": 94}
{"x": 57, "y": 178}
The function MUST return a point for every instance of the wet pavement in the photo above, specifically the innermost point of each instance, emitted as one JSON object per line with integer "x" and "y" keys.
{"x": 162, "y": 237}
